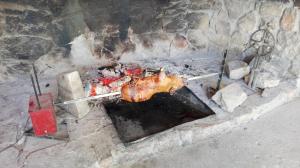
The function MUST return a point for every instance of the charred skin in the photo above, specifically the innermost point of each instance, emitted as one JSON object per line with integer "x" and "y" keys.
{"x": 143, "y": 89}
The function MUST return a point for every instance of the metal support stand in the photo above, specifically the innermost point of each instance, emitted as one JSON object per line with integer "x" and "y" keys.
{"x": 37, "y": 80}
{"x": 263, "y": 41}
{"x": 35, "y": 92}
{"x": 222, "y": 71}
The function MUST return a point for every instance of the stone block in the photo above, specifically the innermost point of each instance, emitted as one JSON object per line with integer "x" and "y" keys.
{"x": 287, "y": 21}
{"x": 230, "y": 97}
{"x": 266, "y": 80}
{"x": 15, "y": 25}
{"x": 25, "y": 47}
{"x": 295, "y": 67}
{"x": 270, "y": 8}
{"x": 237, "y": 8}
{"x": 205, "y": 4}
{"x": 237, "y": 69}
{"x": 223, "y": 27}
{"x": 197, "y": 38}
{"x": 177, "y": 25}
{"x": 278, "y": 65}
{"x": 70, "y": 87}
{"x": 247, "y": 23}
{"x": 238, "y": 39}
{"x": 198, "y": 21}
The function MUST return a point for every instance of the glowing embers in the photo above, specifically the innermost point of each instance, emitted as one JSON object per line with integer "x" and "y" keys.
{"x": 163, "y": 111}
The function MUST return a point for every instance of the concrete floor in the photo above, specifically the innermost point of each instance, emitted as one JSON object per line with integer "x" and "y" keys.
{"x": 270, "y": 141}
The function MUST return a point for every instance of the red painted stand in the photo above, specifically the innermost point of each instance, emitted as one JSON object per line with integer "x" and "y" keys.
{"x": 43, "y": 119}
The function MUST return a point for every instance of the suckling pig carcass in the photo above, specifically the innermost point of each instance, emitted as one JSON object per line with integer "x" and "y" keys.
{"x": 142, "y": 89}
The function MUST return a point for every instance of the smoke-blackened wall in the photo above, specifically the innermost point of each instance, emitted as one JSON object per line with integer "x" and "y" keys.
{"x": 32, "y": 29}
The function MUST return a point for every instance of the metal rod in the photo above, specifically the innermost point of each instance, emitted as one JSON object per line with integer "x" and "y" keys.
{"x": 222, "y": 71}
{"x": 37, "y": 80}
{"x": 89, "y": 98}
{"x": 202, "y": 76}
{"x": 119, "y": 93}
{"x": 36, "y": 95}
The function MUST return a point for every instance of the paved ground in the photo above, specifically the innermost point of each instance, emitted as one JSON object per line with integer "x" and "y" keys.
{"x": 270, "y": 141}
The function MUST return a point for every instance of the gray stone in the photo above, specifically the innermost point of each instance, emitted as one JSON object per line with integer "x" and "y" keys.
{"x": 237, "y": 69}
{"x": 32, "y": 22}
{"x": 230, "y": 97}
{"x": 234, "y": 7}
{"x": 178, "y": 5}
{"x": 36, "y": 17}
{"x": 35, "y": 3}
{"x": 295, "y": 67}
{"x": 16, "y": 25}
{"x": 269, "y": 8}
{"x": 238, "y": 39}
{"x": 69, "y": 88}
{"x": 177, "y": 25}
{"x": 247, "y": 23}
{"x": 281, "y": 38}
{"x": 278, "y": 66}
{"x": 198, "y": 21}
{"x": 197, "y": 39}
{"x": 218, "y": 39}
{"x": 222, "y": 27}
{"x": 56, "y": 6}
{"x": 60, "y": 34}
{"x": 204, "y": 4}
{"x": 266, "y": 80}
{"x": 25, "y": 47}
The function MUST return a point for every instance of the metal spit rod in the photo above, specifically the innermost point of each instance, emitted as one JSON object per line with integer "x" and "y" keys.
{"x": 119, "y": 93}
{"x": 222, "y": 70}
{"x": 202, "y": 76}
{"x": 37, "y": 80}
{"x": 36, "y": 95}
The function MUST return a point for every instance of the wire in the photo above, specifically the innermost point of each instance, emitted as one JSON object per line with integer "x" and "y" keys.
{"x": 17, "y": 139}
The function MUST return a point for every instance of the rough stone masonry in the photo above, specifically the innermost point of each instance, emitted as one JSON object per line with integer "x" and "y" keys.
{"x": 32, "y": 29}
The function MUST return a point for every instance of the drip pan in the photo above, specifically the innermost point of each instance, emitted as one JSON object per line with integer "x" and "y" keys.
{"x": 134, "y": 121}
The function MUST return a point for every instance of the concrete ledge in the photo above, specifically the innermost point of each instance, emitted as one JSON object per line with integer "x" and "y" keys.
{"x": 191, "y": 132}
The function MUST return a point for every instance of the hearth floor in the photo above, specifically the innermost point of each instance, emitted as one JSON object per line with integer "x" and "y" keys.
{"x": 271, "y": 140}
{"x": 93, "y": 137}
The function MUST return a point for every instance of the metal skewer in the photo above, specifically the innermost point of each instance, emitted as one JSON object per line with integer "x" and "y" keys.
{"x": 36, "y": 95}
{"x": 119, "y": 93}
{"x": 222, "y": 70}
{"x": 37, "y": 80}
{"x": 202, "y": 76}
{"x": 89, "y": 98}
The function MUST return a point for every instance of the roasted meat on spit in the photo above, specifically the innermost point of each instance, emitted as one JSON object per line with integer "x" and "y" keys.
{"x": 142, "y": 89}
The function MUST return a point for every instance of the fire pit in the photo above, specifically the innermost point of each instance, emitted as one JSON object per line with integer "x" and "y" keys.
{"x": 134, "y": 121}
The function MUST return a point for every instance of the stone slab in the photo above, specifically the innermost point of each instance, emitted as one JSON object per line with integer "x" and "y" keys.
{"x": 70, "y": 87}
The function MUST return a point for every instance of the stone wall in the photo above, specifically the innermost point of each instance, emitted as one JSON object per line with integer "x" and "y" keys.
{"x": 217, "y": 24}
{"x": 26, "y": 33}
{"x": 30, "y": 29}
{"x": 228, "y": 24}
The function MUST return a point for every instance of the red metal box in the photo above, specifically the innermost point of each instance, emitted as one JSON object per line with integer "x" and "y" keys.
{"x": 43, "y": 119}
